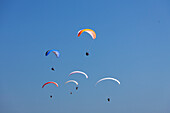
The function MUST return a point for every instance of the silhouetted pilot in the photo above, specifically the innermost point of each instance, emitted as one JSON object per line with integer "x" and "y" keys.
{"x": 52, "y": 69}
{"x": 76, "y": 88}
{"x": 87, "y": 54}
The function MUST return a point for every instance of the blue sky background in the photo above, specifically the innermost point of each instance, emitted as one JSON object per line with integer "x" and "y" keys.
{"x": 132, "y": 45}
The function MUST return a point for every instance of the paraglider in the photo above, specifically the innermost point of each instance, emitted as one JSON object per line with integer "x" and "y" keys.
{"x": 57, "y": 54}
{"x": 54, "y": 51}
{"x": 108, "y": 78}
{"x": 79, "y": 72}
{"x": 89, "y": 31}
{"x": 50, "y": 83}
{"x": 73, "y": 82}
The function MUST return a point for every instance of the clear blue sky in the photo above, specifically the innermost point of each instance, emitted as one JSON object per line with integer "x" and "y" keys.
{"x": 132, "y": 45}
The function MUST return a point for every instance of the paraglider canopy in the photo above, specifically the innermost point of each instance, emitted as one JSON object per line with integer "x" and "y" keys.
{"x": 51, "y": 82}
{"x": 89, "y": 31}
{"x": 72, "y": 81}
{"x": 79, "y": 72}
{"x": 108, "y": 78}
{"x": 54, "y": 51}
